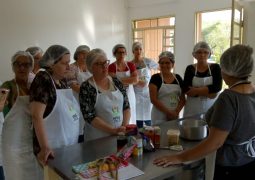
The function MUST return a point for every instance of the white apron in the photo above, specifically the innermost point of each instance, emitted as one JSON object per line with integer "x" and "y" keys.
{"x": 81, "y": 77}
{"x": 197, "y": 105}
{"x": 109, "y": 107}
{"x": 130, "y": 94}
{"x": 142, "y": 96}
{"x": 62, "y": 124}
{"x": 19, "y": 161}
{"x": 169, "y": 95}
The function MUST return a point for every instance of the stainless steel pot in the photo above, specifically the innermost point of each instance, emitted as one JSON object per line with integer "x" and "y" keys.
{"x": 193, "y": 129}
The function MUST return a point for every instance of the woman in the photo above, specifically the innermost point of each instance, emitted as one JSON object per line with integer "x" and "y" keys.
{"x": 103, "y": 100}
{"x": 77, "y": 75}
{"x": 78, "y": 69}
{"x": 37, "y": 54}
{"x": 166, "y": 91}
{"x": 54, "y": 110}
{"x": 142, "y": 96}
{"x": 126, "y": 73}
{"x": 202, "y": 81}
{"x": 231, "y": 121}
{"x": 19, "y": 161}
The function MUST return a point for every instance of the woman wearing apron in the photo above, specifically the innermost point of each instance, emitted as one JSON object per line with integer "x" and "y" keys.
{"x": 231, "y": 121}
{"x": 77, "y": 75}
{"x": 127, "y": 74}
{"x": 37, "y": 54}
{"x": 19, "y": 161}
{"x": 54, "y": 109}
{"x": 202, "y": 81}
{"x": 166, "y": 91}
{"x": 103, "y": 100}
{"x": 142, "y": 96}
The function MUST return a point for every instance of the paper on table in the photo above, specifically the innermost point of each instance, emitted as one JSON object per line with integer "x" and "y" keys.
{"x": 125, "y": 173}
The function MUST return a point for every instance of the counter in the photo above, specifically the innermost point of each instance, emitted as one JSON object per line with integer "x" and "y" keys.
{"x": 65, "y": 158}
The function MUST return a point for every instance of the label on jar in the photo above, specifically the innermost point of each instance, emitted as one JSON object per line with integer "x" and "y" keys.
{"x": 138, "y": 150}
{"x": 157, "y": 133}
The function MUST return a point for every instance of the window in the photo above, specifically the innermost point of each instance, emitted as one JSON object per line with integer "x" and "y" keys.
{"x": 214, "y": 28}
{"x": 155, "y": 34}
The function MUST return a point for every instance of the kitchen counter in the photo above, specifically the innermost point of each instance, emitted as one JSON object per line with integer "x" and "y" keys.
{"x": 76, "y": 154}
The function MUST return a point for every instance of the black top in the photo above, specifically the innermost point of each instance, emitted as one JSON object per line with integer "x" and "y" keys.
{"x": 216, "y": 74}
{"x": 157, "y": 80}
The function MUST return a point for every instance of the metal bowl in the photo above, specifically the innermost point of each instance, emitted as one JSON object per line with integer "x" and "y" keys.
{"x": 193, "y": 129}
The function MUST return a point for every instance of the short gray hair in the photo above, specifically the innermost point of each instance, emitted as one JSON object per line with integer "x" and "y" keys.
{"x": 168, "y": 55}
{"x": 93, "y": 55}
{"x": 80, "y": 49}
{"x": 22, "y": 53}
{"x": 52, "y": 55}
{"x": 237, "y": 61}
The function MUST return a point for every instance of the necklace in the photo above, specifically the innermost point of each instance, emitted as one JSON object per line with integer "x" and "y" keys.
{"x": 239, "y": 82}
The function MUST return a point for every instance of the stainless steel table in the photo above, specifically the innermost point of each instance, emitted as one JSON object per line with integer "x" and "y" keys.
{"x": 68, "y": 156}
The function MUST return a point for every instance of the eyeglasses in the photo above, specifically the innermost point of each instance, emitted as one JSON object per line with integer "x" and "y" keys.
{"x": 24, "y": 65}
{"x": 202, "y": 52}
{"x": 166, "y": 63}
{"x": 121, "y": 52}
{"x": 103, "y": 64}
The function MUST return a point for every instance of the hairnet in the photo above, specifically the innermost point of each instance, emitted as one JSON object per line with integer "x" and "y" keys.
{"x": 201, "y": 45}
{"x": 237, "y": 61}
{"x": 93, "y": 55}
{"x": 117, "y": 46}
{"x": 34, "y": 50}
{"x": 23, "y": 53}
{"x": 136, "y": 45}
{"x": 168, "y": 55}
{"x": 79, "y": 49}
{"x": 52, "y": 55}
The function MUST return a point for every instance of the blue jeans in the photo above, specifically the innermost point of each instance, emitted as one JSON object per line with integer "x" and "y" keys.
{"x": 140, "y": 123}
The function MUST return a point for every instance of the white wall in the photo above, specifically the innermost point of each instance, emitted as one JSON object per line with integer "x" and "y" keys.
{"x": 70, "y": 23}
{"x": 99, "y": 23}
{"x": 250, "y": 29}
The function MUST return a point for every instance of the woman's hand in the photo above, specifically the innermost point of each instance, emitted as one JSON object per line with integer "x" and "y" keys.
{"x": 44, "y": 155}
{"x": 141, "y": 83}
{"x": 121, "y": 129}
{"x": 172, "y": 115}
{"x": 167, "y": 160}
{"x": 192, "y": 91}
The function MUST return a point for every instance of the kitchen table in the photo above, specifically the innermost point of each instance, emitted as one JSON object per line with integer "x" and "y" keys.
{"x": 61, "y": 166}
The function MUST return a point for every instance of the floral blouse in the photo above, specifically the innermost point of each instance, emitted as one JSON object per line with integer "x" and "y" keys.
{"x": 42, "y": 90}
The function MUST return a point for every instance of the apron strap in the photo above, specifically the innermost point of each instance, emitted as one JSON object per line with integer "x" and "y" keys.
{"x": 52, "y": 80}
{"x": 249, "y": 146}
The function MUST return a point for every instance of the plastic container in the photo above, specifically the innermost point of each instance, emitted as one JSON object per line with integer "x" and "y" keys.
{"x": 173, "y": 137}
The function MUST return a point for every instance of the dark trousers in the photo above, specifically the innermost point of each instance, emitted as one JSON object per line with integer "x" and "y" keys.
{"x": 230, "y": 173}
{"x": 1, "y": 173}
